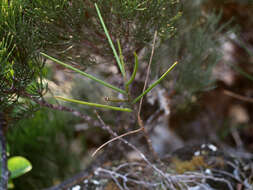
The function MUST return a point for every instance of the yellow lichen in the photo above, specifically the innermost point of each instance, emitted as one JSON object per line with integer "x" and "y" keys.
{"x": 196, "y": 163}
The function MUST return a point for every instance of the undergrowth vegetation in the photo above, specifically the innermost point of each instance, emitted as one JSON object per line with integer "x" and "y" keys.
{"x": 112, "y": 89}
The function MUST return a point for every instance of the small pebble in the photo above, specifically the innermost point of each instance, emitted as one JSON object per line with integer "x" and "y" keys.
{"x": 77, "y": 187}
{"x": 197, "y": 153}
{"x": 212, "y": 147}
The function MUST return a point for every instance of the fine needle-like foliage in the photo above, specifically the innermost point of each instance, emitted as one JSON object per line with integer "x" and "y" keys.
{"x": 79, "y": 35}
{"x": 72, "y": 31}
{"x": 20, "y": 65}
{"x": 83, "y": 40}
{"x": 122, "y": 69}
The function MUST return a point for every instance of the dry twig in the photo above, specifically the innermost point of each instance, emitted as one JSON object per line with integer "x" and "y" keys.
{"x": 114, "y": 139}
{"x": 140, "y": 122}
{"x": 167, "y": 179}
{"x": 237, "y": 96}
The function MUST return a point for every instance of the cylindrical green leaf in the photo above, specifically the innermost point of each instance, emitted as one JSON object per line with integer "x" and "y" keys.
{"x": 85, "y": 74}
{"x": 154, "y": 84}
{"x": 94, "y": 104}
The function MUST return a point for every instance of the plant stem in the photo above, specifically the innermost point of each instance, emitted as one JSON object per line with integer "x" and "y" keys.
{"x": 121, "y": 57}
{"x": 155, "y": 83}
{"x": 94, "y": 104}
{"x": 85, "y": 74}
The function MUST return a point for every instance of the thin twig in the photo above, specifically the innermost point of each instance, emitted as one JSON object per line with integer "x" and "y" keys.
{"x": 167, "y": 178}
{"x": 114, "y": 139}
{"x": 192, "y": 177}
{"x": 148, "y": 70}
{"x": 237, "y": 96}
{"x": 140, "y": 122}
{"x": 4, "y": 169}
{"x": 126, "y": 179}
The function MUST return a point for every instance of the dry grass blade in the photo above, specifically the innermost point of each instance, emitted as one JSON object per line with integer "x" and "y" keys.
{"x": 237, "y": 96}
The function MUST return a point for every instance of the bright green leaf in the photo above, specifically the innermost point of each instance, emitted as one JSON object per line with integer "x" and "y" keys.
{"x": 18, "y": 166}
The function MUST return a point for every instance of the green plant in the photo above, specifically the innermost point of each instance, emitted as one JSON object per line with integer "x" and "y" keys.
{"x": 17, "y": 166}
{"x": 28, "y": 27}
{"x": 121, "y": 65}
{"x": 44, "y": 141}
{"x": 20, "y": 68}
{"x": 77, "y": 33}
{"x": 20, "y": 74}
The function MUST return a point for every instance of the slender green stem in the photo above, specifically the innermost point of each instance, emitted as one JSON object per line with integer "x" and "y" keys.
{"x": 85, "y": 74}
{"x": 121, "y": 56}
{"x": 136, "y": 63}
{"x": 110, "y": 41}
{"x": 154, "y": 84}
{"x": 94, "y": 104}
